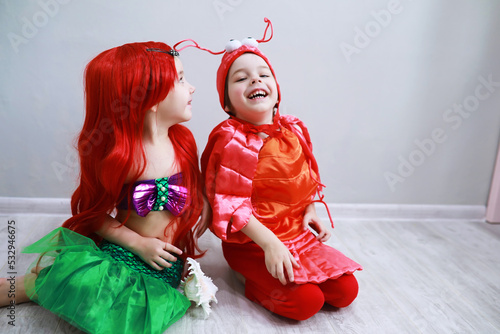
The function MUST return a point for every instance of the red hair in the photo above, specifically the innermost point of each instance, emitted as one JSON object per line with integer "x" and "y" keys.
{"x": 121, "y": 84}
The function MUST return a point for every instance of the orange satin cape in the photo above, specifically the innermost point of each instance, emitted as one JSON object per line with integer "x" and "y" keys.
{"x": 282, "y": 186}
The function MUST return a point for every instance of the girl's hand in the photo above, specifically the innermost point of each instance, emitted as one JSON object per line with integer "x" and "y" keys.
{"x": 279, "y": 260}
{"x": 151, "y": 250}
{"x": 206, "y": 218}
{"x": 156, "y": 252}
{"x": 312, "y": 219}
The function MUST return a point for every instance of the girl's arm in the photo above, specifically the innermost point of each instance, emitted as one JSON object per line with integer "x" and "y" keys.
{"x": 153, "y": 251}
{"x": 312, "y": 219}
{"x": 277, "y": 256}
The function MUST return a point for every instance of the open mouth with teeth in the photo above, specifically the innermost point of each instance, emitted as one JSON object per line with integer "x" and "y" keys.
{"x": 259, "y": 94}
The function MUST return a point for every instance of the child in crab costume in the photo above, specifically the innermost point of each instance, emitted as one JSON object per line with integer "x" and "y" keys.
{"x": 261, "y": 179}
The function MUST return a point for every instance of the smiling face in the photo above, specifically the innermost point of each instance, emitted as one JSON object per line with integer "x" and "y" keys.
{"x": 251, "y": 89}
{"x": 176, "y": 107}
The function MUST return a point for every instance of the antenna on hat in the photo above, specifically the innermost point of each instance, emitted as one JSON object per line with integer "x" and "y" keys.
{"x": 196, "y": 45}
{"x": 269, "y": 24}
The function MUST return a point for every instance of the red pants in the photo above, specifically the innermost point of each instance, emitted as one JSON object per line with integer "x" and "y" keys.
{"x": 302, "y": 301}
{"x": 294, "y": 301}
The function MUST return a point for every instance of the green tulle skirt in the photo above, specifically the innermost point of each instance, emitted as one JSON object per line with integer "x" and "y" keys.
{"x": 98, "y": 291}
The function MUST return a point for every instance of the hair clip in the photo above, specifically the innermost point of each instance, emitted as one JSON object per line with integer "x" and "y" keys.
{"x": 171, "y": 52}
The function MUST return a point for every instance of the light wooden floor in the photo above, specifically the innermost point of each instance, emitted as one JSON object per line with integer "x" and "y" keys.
{"x": 419, "y": 277}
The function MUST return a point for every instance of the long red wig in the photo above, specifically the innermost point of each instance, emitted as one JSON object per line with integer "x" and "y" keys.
{"x": 121, "y": 84}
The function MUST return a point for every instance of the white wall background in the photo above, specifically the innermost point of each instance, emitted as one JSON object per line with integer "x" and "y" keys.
{"x": 393, "y": 92}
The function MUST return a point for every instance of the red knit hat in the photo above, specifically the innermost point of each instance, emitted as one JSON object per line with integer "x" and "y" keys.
{"x": 245, "y": 46}
{"x": 233, "y": 50}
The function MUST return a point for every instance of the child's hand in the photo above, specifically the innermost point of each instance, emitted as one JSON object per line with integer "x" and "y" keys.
{"x": 206, "y": 218}
{"x": 156, "y": 252}
{"x": 278, "y": 260}
{"x": 277, "y": 256}
{"x": 151, "y": 250}
{"x": 312, "y": 219}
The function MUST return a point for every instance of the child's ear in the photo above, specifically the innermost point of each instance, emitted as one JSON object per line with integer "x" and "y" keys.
{"x": 154, "y": 108}
{"x": 227, "y": 109}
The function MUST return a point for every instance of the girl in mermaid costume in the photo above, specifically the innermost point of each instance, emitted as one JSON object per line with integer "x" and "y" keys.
{"x": 115, "y": 265}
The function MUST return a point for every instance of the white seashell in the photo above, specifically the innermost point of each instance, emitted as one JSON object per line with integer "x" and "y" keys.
{"x": 232, "y": 45}
{"x": 250, "y": 41}
{"x": 199, "y": 288}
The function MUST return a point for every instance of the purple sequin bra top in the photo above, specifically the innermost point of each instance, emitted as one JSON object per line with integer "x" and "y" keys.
{"x": 156, "y": 195}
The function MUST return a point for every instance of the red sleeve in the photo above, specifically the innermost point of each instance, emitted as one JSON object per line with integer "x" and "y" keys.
{"x": 228, "y": 165}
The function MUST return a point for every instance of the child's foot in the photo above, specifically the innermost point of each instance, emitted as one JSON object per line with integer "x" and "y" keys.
{"x": 36, "y": 270}
{"x": 12, "y": 290}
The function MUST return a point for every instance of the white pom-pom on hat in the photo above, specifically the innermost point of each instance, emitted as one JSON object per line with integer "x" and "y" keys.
{"x": 250, "y": 41}
{"x": 232, "y": 45}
